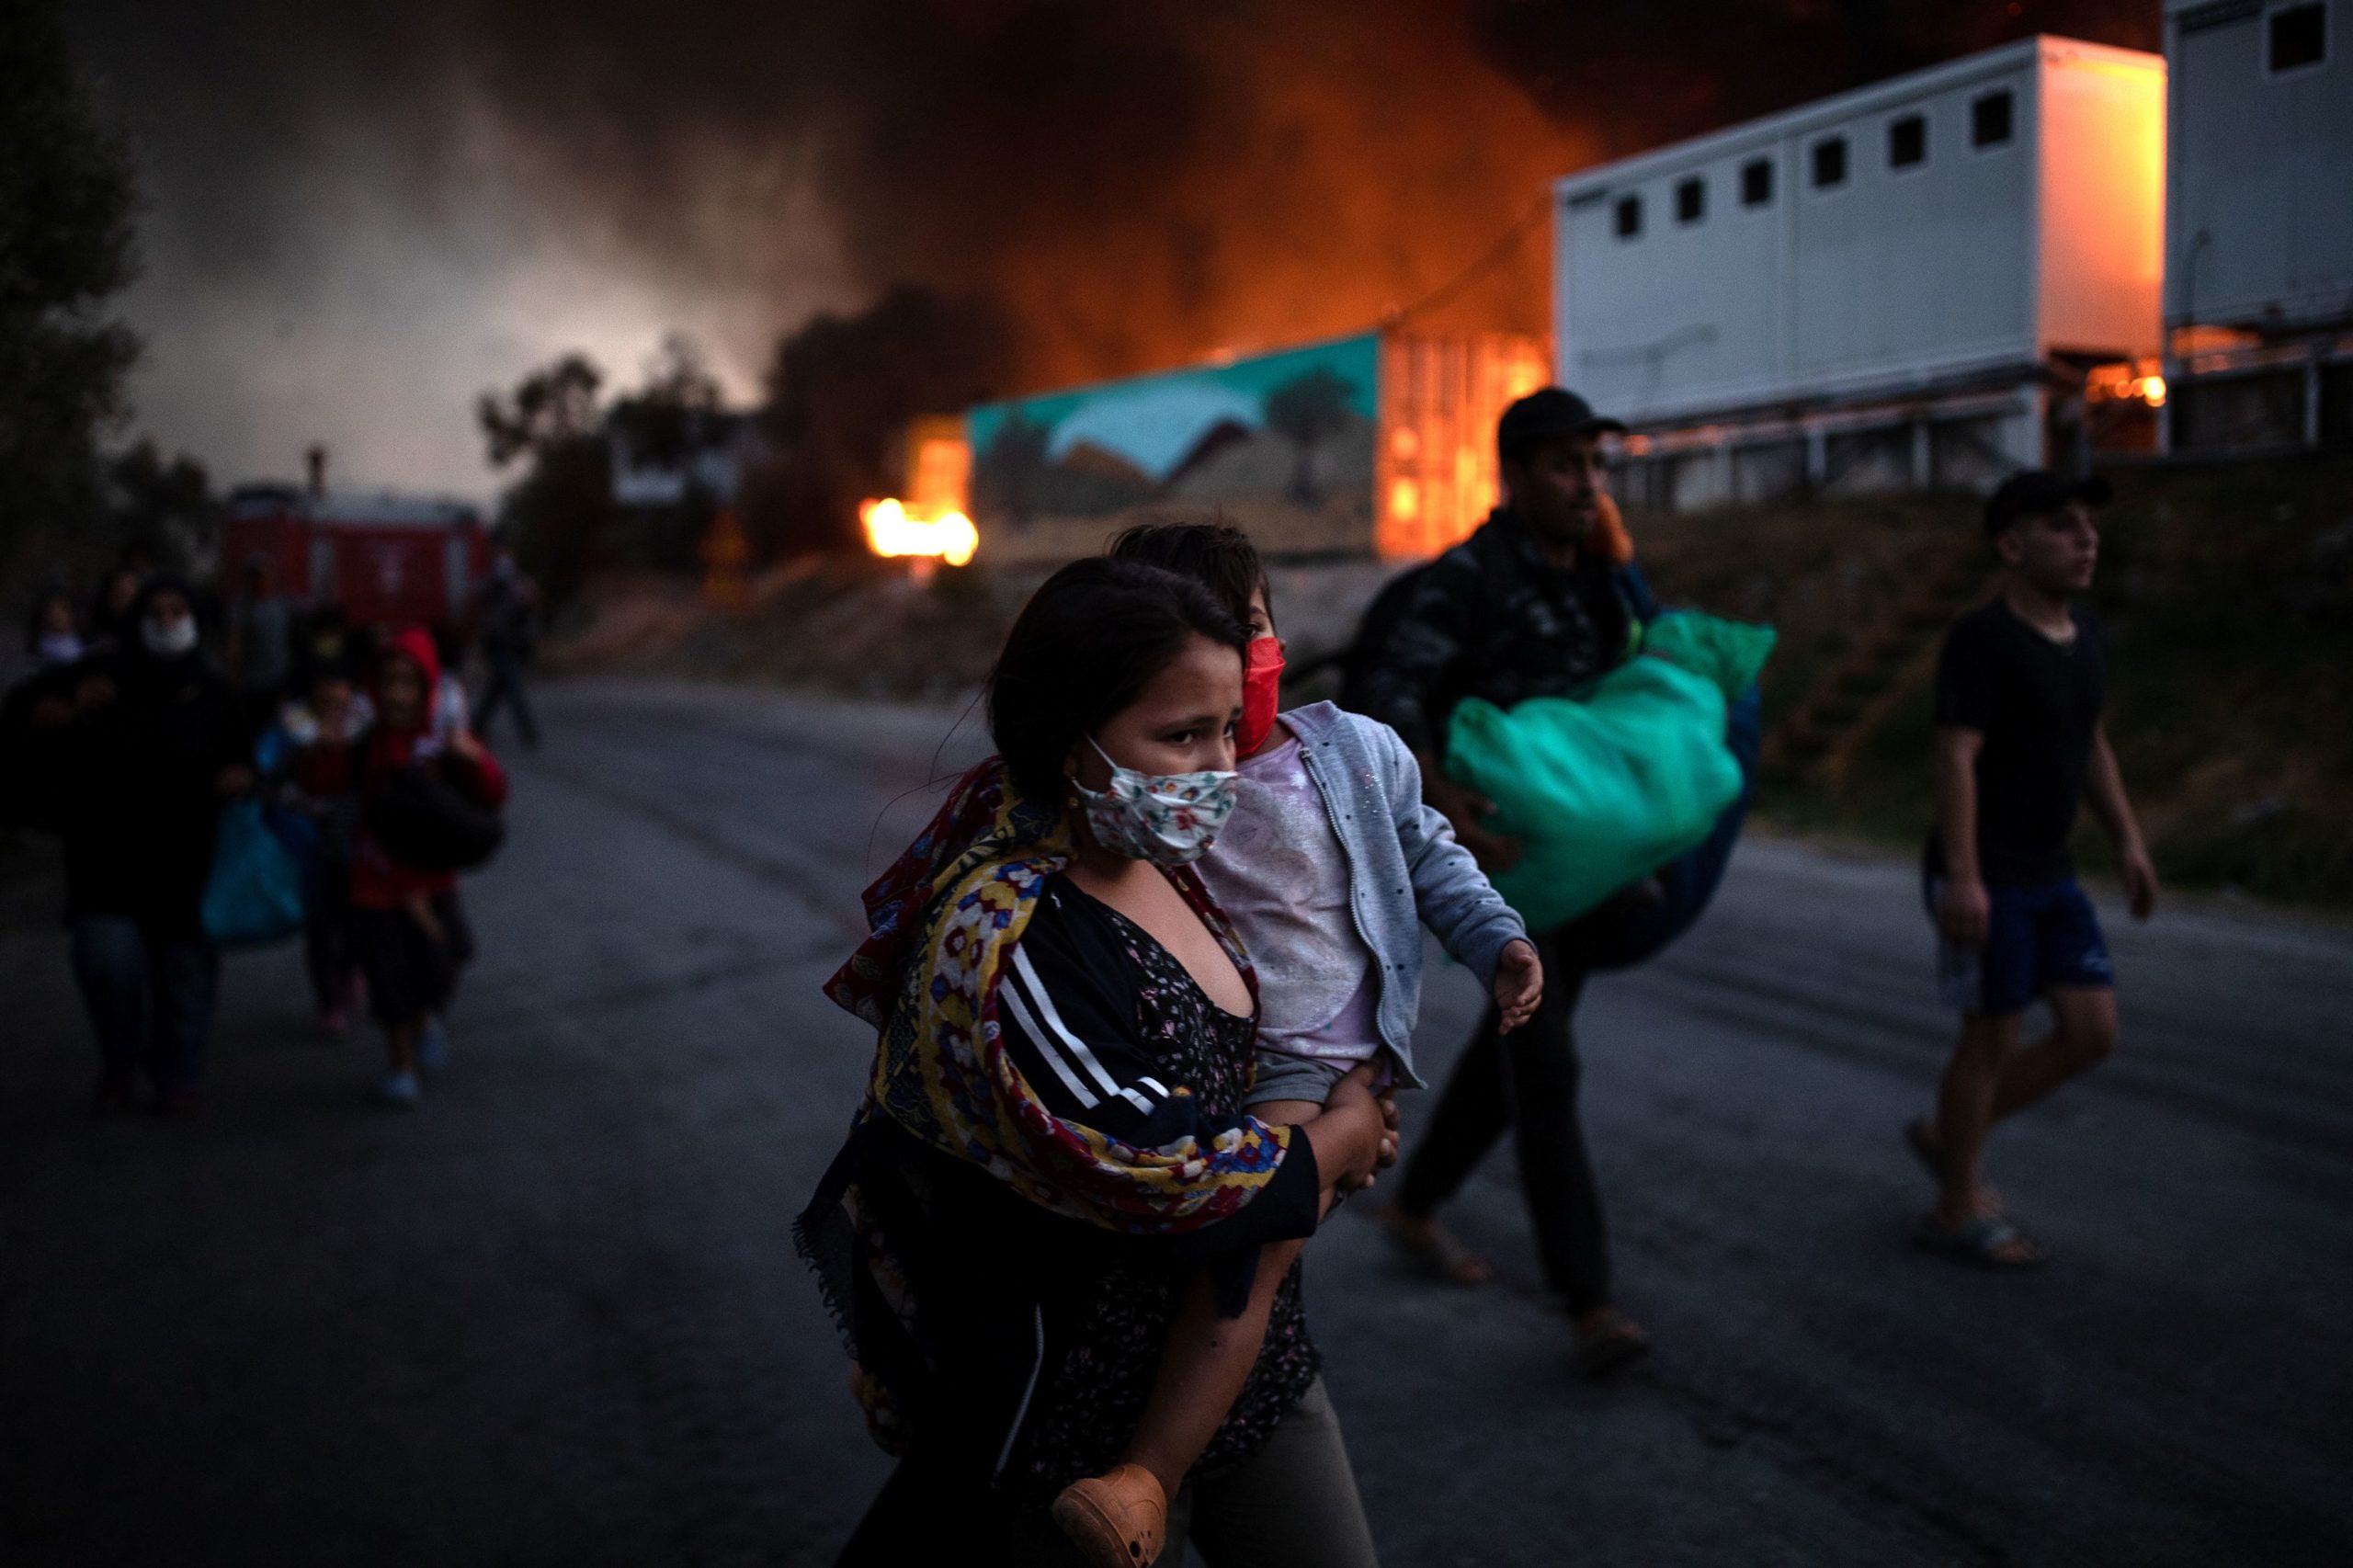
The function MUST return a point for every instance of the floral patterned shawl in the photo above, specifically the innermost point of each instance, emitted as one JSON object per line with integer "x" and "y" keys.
{"x": 943, "y": 923}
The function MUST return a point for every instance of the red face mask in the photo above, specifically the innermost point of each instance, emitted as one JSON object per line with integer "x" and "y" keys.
{"x": 1262, "y": 689}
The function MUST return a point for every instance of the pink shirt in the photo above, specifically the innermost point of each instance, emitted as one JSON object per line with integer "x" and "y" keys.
{"x": 1279, "y": 873}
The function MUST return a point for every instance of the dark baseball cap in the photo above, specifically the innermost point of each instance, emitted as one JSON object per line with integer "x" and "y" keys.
{"x": 1546, "y": 414}
{"x": 2035, "y": 491}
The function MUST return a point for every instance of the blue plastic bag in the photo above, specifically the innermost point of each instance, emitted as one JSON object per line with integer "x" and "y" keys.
{"x": 253, "y": 893}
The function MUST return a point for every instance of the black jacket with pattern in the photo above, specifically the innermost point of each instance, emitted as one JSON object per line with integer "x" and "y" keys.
{"x": 1490, "y": 617}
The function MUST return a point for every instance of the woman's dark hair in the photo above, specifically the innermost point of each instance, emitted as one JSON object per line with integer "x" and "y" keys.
{"x": 1216, "y": 555}
{"x": 1085, "y": 647}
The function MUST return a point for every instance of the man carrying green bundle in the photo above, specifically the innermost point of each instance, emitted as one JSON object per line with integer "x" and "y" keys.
{"x": 1542, "y": 601}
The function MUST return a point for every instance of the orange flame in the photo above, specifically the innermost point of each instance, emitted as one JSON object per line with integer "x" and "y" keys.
{"x": 2128, "y": 380}
{"x": 893, "y": 530}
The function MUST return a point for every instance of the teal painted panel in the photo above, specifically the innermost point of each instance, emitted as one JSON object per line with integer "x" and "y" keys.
{"x": 1095, "y": 449}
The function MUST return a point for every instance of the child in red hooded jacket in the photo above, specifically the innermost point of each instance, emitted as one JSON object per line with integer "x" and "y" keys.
{"x": 408, "y": 929}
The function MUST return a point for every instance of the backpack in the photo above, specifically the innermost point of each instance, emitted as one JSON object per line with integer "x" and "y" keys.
{"x": 1380, "y": 618}
{"x": 423, "y": 821}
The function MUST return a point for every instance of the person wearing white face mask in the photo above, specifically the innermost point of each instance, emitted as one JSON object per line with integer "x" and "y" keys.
{"x": 1055, "y": 1188}
{"x": 54, "y": 640}
{"x": 133, "y": 772}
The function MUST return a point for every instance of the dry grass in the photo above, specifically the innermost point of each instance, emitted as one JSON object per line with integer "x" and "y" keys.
{"x": 2228, "y": 594}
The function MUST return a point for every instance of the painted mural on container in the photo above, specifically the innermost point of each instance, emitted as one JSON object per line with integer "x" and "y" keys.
{"x": 1281, "y": 444}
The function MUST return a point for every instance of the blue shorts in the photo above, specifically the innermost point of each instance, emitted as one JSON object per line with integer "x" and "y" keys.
{"x": 2036, "y": 938}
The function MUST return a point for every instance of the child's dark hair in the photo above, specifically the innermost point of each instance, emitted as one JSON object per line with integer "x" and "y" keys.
{"x": 1086, "y": 644}
{"x": 1216, "y": 555}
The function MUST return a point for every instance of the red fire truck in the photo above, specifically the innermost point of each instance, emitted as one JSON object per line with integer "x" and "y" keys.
{"x": 385, "y": 558}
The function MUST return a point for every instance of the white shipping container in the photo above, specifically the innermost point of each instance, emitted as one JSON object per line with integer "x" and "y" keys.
{"x": 1952, "y": 228}
{"x": 2259, "y": 230}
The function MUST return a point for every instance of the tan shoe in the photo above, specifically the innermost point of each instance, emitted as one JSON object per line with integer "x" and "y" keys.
{"x": 1120, "y": 1519}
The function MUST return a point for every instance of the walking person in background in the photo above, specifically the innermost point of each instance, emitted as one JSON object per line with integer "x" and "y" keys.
{"x": 451, "y": 713}
{"x": 53, "y": 645}
{"x": 329, "y": 734}
{"x": 1540, "y": 601}
{"x": 54, "y": 638}
{"x": 261, "y": 641}
{"x": 328, "y": 641}
{"x": 132, "y": 764}
{"x": 510, "y": 606}
{"x": 112, "y": 625}
{"x": 408, "y": 927}
{"x": 2020, "y": 683}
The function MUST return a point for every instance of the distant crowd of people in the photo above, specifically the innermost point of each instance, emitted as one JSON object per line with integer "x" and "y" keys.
{"x": 354, "y": 746}
{"x": 1143, "y": 994}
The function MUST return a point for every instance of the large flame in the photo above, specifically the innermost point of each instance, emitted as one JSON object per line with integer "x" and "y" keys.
{"x": 893, "y": 530}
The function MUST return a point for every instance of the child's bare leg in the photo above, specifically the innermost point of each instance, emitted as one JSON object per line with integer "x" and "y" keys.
{"x": 1204, "y": 1361}
{"x": 1287, "y": 1113}
{"x": 1205, "y": 1358}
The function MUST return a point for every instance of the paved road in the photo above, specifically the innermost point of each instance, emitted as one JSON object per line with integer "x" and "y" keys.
{"x": 554, "y": 1318}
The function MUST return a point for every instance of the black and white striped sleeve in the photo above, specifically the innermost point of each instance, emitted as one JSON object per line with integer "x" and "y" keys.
{"x": 1067, "y": 1010}
{"x": 1069, "y": 1014}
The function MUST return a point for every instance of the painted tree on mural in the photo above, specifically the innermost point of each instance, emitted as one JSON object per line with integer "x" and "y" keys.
{"x": 1005, "y": 480}
{"x": 1307, "y": 410}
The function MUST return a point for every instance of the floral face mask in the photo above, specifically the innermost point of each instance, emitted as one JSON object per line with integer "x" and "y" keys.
{"x": 1170, "y": 819}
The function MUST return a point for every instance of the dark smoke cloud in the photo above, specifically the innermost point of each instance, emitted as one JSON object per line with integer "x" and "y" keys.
{"x": 1133, "y": 181}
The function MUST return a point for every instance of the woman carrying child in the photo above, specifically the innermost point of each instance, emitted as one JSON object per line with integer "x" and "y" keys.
{"x": 1053, "y": 1174}
{"x": 1329, "y": 868}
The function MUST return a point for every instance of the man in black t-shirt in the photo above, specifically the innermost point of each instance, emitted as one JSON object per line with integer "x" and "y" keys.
{"x": 2020, "y": 687}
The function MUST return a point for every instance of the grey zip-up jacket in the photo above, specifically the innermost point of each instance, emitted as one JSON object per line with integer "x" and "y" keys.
{"x": 1405, "y": 869}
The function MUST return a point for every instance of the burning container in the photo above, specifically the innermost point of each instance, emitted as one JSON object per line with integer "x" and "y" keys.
{"x": 1381, "y": 444}
{"x": 383, "y": 558}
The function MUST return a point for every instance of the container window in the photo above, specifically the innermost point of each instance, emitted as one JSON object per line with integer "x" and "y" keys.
{"x": 1830, "y": 160}
{"x": 1691, "y": 200}
{"x": 1628, "y": 217}
{"x": 1756, "y": 183}
{"x": 1907, "y": 141}
{"x": 1989, "y": 120}
{"x": 2299, "y": 37}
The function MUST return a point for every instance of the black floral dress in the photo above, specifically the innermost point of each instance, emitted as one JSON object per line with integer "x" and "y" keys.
{"x": 1094, "y": 1388}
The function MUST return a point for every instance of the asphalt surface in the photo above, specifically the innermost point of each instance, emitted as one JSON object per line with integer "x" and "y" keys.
{"x": 554, "y": 1317}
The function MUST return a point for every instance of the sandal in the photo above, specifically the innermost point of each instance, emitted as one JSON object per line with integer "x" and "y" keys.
{"x": 1987, "y": 1242}
{"x": 1436, "y": 1253}
{"x": 1117, "y": 1521}
{"x": 1613, "y": 1349}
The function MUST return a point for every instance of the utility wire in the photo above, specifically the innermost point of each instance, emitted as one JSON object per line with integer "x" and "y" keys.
{"x": 1495, "y": 255}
